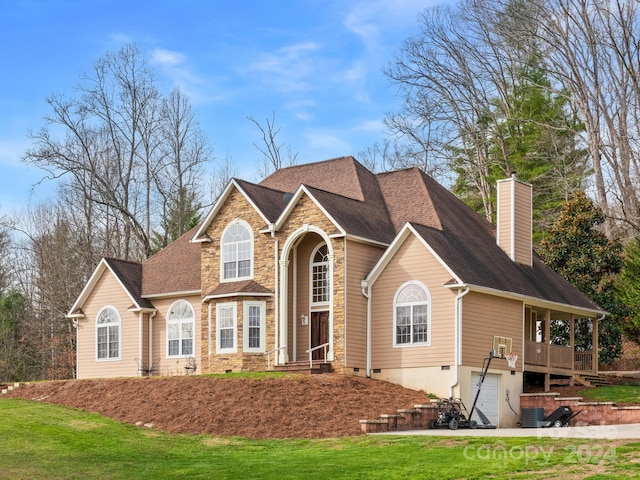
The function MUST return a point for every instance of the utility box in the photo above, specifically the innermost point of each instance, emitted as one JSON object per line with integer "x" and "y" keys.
{"x": 532, "y": 417}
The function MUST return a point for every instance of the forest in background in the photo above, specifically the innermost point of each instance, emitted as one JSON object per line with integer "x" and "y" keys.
{"x": 548, "y": 90}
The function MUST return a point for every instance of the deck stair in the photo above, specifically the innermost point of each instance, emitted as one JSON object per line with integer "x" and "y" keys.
{"x": 592, "y": 380}
{"x": 303, "y": 367}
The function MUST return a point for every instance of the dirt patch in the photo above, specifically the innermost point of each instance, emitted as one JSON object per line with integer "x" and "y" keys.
{"x": 297, "y": 406}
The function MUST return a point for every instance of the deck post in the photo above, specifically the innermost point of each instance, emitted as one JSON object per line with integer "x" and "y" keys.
{"x": 594, "y": 343}
{"x": 572, "y": 345}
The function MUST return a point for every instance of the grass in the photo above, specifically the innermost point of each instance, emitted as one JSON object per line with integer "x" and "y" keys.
{"x": 51, "y": 442}
{"x": 614, "y": 393}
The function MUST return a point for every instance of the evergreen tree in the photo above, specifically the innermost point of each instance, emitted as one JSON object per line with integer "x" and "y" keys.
{"x": 583, "y": 255}
{"x": 629, "y": 290}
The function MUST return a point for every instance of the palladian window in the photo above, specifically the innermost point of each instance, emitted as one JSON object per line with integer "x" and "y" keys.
{"x": 412, "y": 311}
{"x": 320, "y": 284}
{"x": 108, "y": 334}
{"x": 180, "y": 329}
{"x": 237, "y": 251}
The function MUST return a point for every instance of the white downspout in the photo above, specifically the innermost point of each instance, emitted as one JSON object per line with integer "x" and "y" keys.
{"x": 140, "y": 341}
{"x": 458, "y": 338}
{"x": 76, "y": 322}
{"x": 366, "y": 292}
{"x": 151, "y": 316}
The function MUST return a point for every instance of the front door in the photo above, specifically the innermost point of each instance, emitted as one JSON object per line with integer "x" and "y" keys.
{"x": 319, "y": 333}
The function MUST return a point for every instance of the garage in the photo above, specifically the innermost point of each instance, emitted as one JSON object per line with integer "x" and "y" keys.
{"x": 488, "y": 399}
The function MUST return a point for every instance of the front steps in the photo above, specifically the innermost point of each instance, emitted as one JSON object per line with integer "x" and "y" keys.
{"x": 302, "y": 367}
{"x": 417, "y": 418}
{"x": 592, "y": 380}
{"x": 4, "y": 389}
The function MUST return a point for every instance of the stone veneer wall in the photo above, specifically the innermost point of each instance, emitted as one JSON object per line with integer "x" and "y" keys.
{"x": 237, "y": 207}
{"x": 305, "y": 213}
{"x": 593, "y": 413}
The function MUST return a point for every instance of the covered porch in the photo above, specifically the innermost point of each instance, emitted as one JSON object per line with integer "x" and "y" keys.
{"x": 560, "y": 343}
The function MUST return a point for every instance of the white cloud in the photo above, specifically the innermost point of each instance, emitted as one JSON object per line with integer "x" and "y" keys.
{"x": 328, "y": 141}
{"x": 289, "y": 69}
{"x": 164, "y": 57}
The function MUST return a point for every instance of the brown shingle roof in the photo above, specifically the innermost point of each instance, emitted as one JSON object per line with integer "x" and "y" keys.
{"x": 246, "y": 288}
{"x": 176, "y": 268}
{"x": 343, "y": 176}
{"x": 363, "y": 219}
{"x": 271, "y": 202}
{"x": 408, "y": 199}
{"x": 130, "y": 275}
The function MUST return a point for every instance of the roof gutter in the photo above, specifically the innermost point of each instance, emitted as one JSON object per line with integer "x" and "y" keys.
{"x": 535, "y": 301}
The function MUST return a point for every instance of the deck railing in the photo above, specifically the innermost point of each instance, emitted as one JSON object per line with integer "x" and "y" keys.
{"x": 558, "y": 356}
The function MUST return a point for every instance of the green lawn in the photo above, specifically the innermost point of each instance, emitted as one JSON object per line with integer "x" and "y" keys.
{"x": 39, "y": 441}
{"x": 614, "y": 393}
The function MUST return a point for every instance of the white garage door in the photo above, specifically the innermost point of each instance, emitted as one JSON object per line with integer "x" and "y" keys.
{"x": 488, "y": 399}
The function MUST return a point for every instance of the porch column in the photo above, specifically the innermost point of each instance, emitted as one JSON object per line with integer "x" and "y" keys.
{"x": 281, "y": 323}
{"x": 572, "y": 345}
{"x": 547, "y": 341}
{"x": 596, "y": 347}
{"x": 330, "y": 353}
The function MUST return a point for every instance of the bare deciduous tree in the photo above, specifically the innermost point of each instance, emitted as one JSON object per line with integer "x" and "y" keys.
{"x": 273, "y": 156}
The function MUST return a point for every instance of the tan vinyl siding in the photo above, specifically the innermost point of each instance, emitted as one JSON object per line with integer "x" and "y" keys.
{"x": 360, "y": 259}
{"x": 523, "y": 224}
{"x": 514, "y": 219}
{"x": 413, "y": 262}
{"x": 174, "y": 366}
{"x": 108, "y": 292}
{"x": 484, "y": 316}
{"x": 503, "y": 231}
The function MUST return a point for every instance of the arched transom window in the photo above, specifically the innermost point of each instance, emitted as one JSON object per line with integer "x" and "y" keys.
{"x": 237, "y": 251}
{"x": 108, "y": 334}
{"x": 320, "y": 284}
{"x": 180, "y": 328}
{"x": 412, "y": 311}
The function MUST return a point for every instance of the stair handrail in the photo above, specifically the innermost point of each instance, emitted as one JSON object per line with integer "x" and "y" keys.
{"x": 268, "y": 354}
{"x": 311, "y": 350}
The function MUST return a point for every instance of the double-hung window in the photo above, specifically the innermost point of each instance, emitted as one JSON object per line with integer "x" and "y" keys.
{"x": 108, "y": 334}
{"x": 226, "y": 328}
{"x": 253, "y": 316}
{"x": 412, "y": 312}
{"x": 180, "y": 329}
{"x": 237, "y": 251}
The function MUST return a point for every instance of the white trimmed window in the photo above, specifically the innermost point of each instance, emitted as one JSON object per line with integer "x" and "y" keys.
{"x": 180, "y": 329}
{"x": 320, "y": 284}
{"x": 237, "y": 251}
{"x": 253, "y": 321}
{"x": 226, "y": 328}
{"x": 108, "y": 334}
{"x": 412, "y": 315}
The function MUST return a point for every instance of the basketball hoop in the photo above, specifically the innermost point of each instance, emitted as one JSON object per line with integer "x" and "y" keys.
{"x": 511, "y": 358}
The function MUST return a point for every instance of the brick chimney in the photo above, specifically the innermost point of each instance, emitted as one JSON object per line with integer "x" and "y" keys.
{"x": 513, "y": 232}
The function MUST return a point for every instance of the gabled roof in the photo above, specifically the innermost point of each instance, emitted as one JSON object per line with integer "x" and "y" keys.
{"x": 252, "y": 193}
{"x": 465, "y": 243}
{"x": 129, "y": 276}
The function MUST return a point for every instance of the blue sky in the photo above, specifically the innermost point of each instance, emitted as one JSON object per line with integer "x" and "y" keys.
{"x": 316, "y": 64}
